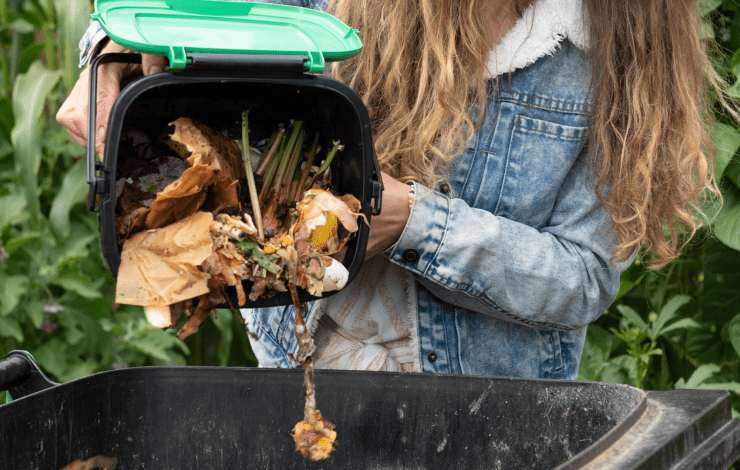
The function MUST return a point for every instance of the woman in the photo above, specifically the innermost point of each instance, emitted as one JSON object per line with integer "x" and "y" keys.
{"x": 541, "y": 150}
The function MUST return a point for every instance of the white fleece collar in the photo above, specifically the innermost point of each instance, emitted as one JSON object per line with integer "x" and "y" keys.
{"x": 539, "y": 32}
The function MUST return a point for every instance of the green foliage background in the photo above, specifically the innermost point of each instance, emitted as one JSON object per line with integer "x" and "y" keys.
{"x": 56, "y": 295}
{"x": 674, "y": 328}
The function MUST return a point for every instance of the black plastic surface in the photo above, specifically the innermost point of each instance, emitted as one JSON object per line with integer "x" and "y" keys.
{"x": 249, "y": 63}
{"x": 188, "y": 418}
{"x": 14, "y": 370}
{"x": 21, "y": 376}
{"x": 273, "y": 97}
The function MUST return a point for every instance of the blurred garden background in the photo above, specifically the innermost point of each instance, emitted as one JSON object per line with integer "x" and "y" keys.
{"x": 678, "y": 327}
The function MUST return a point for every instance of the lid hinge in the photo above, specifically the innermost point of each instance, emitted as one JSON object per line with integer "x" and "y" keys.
{"x": 248, "y": 62}
{"x": 376, "y": 193}
{"x": 177, "y": 58}
{"x": 99, "y": 185}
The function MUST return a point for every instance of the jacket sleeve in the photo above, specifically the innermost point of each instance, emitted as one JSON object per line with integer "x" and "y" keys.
{"x": 95, "y": 33}
{"x": 558, "y": 277}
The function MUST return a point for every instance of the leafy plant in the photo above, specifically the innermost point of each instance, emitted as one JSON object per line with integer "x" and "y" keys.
{"x": 56, "y": 293}
{"x": 642, "y": 339}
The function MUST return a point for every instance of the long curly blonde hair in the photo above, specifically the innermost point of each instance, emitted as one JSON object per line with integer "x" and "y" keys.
{"x": 422, "y": 74}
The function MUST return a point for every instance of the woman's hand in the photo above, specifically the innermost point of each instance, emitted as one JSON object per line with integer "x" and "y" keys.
{"x": 73, "y": 113}
{"x": 386, "y": 228}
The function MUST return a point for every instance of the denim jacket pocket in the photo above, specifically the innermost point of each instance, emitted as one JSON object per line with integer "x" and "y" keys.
{"x": 540, "y": 156}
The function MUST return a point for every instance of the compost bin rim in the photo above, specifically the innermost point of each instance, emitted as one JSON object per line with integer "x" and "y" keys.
{"x": 296, "y": 371}
{"x": 609, "y": 439}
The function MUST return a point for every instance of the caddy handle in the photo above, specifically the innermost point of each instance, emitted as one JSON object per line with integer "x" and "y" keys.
{"x": 377, "y": 188}
{"x": 93, "y": 165}
{"x": 14, "y": 370}
{"x": 21, "y": 376}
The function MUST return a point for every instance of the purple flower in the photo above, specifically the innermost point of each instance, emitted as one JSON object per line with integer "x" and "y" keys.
{"x": 3, "y": 254}
{"x": 53, "y": 308}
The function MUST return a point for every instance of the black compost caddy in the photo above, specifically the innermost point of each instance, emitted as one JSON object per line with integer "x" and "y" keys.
{"x": 197, "y": 417}
{"x": 229, "y": 57}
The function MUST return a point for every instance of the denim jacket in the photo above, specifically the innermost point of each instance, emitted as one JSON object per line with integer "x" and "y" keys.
{"x": 512, "y": 257}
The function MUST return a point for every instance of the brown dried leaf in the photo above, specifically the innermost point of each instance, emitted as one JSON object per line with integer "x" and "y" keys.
{"x": 132, "y": 222}
{"x": 181, "y": 198}
{"x": 209, "y": 148}
{"x": 160, "y": 267}
{"x": 215, "y": 160}
{"x": 132, "y": 197}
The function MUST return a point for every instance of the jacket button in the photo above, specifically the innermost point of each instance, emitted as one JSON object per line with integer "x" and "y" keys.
{"x": 411, "y": 255}
{"x": 432, "y": 356}
{"x": 445, "y": 188}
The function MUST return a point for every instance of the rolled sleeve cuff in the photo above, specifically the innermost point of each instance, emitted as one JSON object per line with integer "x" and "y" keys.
{"x": 422, "y": 237}
{"x": 90, "y": 41}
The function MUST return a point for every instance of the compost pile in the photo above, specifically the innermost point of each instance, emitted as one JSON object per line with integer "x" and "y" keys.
{"x": 209, "y": 212}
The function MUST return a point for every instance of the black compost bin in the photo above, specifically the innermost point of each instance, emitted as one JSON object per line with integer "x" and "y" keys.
{"x": 199, "y": 417}
{"x": 213, "y": 87}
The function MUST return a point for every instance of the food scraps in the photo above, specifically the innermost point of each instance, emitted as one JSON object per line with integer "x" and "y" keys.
{"x": 204, "y": 217}
{"x": 99, "y": 461}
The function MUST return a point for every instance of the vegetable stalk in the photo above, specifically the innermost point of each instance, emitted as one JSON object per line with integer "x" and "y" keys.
{"x": 337, "y": 147}
{"x": 266, "y": 149}
{"x": 287, "y": 155}
{"x": 284, "y": 186}
{"x": 271, "y": 151}
{"x": 315, "y": 149}
{"x": 250, "y": 177}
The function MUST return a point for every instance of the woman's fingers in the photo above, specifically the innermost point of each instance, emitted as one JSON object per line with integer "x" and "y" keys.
{"x": 66, "y": 114}
{"x": 153, "y": 64}
{"x": 73, "y": 112}
{"x": 109, "y": 86}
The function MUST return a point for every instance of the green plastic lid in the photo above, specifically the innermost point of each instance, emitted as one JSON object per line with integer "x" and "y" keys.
{"x": 176, "y": 27}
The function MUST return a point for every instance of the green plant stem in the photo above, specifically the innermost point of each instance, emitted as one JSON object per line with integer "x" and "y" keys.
{"x": 267, "y": 148}
{"x": 315, "y": 148}
{"x": 269, "y": 174}
{"x": 671, "y": 268}
{"x": 3, "y": 57}
{"x": 49, "y": 40}
{"x": 337, "y": 147}
{"x": 5, "y": 71}
{"x": 254, "y": 197}
{"x": 287, "y": 155}
{"x": 273, "y": 161}
{"x": 272, "y": 150}
{"x": 284, "y": 185}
